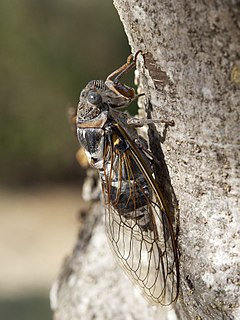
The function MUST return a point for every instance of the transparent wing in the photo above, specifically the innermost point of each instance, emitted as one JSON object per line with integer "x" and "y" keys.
{"x": 137, "y": 223}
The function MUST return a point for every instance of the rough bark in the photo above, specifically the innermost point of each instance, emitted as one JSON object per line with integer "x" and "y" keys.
{"x": 190, "y": 73}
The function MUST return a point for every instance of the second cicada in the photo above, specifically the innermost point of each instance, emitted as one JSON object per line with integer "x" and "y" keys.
{"x": 138, "y": 222}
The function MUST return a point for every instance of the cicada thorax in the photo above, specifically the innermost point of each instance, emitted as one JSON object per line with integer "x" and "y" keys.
{"x": 92, "y": 140}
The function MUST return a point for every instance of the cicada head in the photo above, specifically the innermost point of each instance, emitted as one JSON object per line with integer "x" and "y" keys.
{"x": 91, "y": 102}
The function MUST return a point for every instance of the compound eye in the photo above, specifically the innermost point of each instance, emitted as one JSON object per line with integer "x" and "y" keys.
{"x": 94, "y": 98}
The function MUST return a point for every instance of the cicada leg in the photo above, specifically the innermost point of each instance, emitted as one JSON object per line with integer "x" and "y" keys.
{"x": 124, "y": 93}
{"x": 72, "y": 116}
{"x": 141, "y": 122}
{"x": 116, "y": 75}
{"x": 82, "y": 158}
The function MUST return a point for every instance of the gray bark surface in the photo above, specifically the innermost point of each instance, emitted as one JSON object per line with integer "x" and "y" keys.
{"x": 190, "y": 73}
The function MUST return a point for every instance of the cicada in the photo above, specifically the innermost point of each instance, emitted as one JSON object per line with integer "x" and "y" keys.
{"x": 138, "y": 222}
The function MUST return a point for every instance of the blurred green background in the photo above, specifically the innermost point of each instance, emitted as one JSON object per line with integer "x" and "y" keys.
{"x": 49, "y": 50}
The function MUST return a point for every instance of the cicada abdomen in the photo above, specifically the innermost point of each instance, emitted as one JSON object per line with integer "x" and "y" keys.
{"x": 125, "y": 188}
{"x": 138, "y": 223}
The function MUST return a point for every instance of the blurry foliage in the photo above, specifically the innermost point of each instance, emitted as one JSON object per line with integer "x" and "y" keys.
{"x": 49, "y": 51}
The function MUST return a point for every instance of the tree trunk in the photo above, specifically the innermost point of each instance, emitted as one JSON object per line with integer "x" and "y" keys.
{"x": 189, "y": 71}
